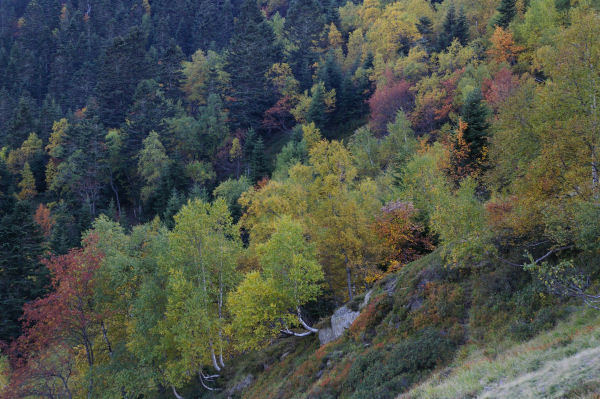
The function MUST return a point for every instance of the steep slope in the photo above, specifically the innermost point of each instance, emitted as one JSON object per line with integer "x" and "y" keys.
{"x": 424, "y": 320}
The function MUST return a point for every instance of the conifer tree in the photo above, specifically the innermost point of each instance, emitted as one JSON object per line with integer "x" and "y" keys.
{"x": 475, "y": 113}
{"x": 455, "y": 27}
{"x": 258, "y": 162}
{"x": 507, "y": 11}
{"x": 251, "y": 54}
{"x": 22, "y": 277}
{"x": 304, "y": 23}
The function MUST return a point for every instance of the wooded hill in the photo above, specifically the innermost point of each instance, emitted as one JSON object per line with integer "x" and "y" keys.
{"x": 189, "y": 187}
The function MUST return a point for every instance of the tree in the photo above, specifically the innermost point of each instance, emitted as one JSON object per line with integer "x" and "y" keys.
{"x": 386, "y": 102}
{"x": 506, "y": 12}
{"x": 201, "y": 261}
{"x": 27, "y": 184}
{"x": 66, "y": 316}
{"x": 123, "y": 67}
{"x": 455, "y": 27}
{"x": 22, "y": 277}
{"x": 304, "y": 23}
{"x": 258, "y": 163}
{"x": 404, "y": 239}
{"x": 475, "y": 114}
{"x": 152, "y": 164}
{"x": 269, "y": 302}
{"x": 504, "y": 48}
{"x": 251, "y": 54}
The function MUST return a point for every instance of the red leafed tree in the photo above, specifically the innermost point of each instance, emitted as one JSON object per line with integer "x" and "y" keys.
{"x": 435, "y": 104}
{"x": 404, "y": 239}
{"x": 385, "y": 103}
{"x": 42, "y": 357}
{"x": 495, "y": 91}
{"x": 279, "y": 117}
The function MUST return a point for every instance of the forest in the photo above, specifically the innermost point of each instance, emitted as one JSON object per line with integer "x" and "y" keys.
{"x": 186, "y": 186}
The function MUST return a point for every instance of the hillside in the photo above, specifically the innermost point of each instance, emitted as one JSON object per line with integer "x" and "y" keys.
{"x": 430, "y": 333}
{"x": 299, "y": 198}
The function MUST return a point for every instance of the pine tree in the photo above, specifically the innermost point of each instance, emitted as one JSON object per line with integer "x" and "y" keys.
{"x": 507, "y": 11}
{"x": 304, "y": 23}
{"x": 474, "y": 113}
{"x": 317, "y": 108}
{"x": 455, "y": 27}
{"x": 258, "y": 162}
{"x": 425, "y": 28}
{"x": 174, "y": 204}
{"x": 251, "y": 54}
{"x": 123, "y": 67}
{"x": 22, "y": 277}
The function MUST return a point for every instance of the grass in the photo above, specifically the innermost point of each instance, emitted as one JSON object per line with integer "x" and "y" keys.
{"x": 563, "y": 362}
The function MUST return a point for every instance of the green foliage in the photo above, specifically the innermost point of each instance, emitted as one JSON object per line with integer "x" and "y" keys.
{"x": 22, "y": 276}
{"x": 460, "y": 221}
{"x": 231, "y": 190}
{"x": 385, "y": 373}
{"x": 269, "y": 301}
{"x": 507, "y": 11}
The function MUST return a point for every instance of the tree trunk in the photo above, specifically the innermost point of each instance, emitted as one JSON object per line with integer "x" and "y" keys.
{"x": 349, "y": 281}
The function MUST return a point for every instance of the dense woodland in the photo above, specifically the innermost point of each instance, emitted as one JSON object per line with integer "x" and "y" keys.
{"x": 185, "y": 182}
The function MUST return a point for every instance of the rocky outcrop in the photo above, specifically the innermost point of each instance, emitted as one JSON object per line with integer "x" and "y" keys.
{"x": 240, "y": 386}
{"x": 341, "y": 319}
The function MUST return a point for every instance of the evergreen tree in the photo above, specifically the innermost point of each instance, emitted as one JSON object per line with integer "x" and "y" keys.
{"x": 258, "y": 162}
{"x": 475, "y": 113}
{"x": 454, "y": 27}
{"x": 176, "y": 201}
{"x": 22, "y": 277}
{"x": 251, "y": 54}
{"x": 507, "y": 11}
{"x": 425, "y": 28}
{"x": 304, "y": 23}
{"x": 123, "y": 67}
{"x": 317, "y": 108}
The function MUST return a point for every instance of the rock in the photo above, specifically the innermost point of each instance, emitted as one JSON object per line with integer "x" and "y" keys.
{"x": 341, "y": 319}
{"x": 240, "y": 386}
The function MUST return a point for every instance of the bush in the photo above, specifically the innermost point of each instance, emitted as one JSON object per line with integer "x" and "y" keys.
{"x": 384, "y": 373}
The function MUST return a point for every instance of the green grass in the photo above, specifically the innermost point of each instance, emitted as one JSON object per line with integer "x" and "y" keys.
{"x": 563, "y": 362}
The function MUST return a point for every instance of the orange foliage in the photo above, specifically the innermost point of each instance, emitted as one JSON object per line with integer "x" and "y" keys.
{"x": 403, "y": 239}
{"x": 503, "y": 48}
{"x": 443, "y": 307}
{"x": 460, "y": 150}
{"x": 44, "y": 219}
{"x": 499, "y": 212}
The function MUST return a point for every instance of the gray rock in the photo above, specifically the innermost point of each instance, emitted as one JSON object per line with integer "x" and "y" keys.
{"x": 341, "y": 319}
{"x": 240, "y": 386}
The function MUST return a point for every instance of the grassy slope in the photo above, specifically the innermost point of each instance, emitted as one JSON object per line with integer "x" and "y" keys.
{"x": 563, "y": 362}
{"x": 458, "y": 333}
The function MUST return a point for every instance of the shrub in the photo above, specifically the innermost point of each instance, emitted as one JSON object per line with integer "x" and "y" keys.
{"x": 386, "y": 372}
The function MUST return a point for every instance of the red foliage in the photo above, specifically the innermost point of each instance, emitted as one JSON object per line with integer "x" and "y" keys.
{"x": 41, "y": 357}
{"x": 385, "y": 103}
{"x": 279, "y": 118}
{"x": 495, "y": 91}
{"x": 434, "y": 105}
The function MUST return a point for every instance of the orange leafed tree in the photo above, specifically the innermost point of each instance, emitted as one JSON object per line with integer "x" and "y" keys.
{"x": 503, "y": 47}
{"x": 44, "y": 219}
{"x": 404, "y": 239}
